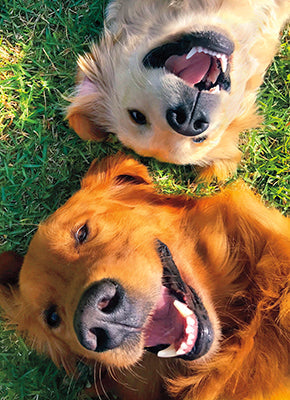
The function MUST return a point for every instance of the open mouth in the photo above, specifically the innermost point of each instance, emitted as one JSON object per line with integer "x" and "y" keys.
{"x": 179, "y": 325}
{"x": 200, "y": 59}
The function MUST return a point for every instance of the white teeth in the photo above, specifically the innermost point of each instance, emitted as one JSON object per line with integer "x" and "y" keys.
{"x": 189, "y": 329}
{"x": 224, "y": 62}
{"x": 168, "y": 352}
{"x": 190, "y": 339}
{"x": 171, "y": 351}
{"x": 182, "y": 308}
{"x": 215, "y": 89}
{"x": 192, "y": 52}
{"x": 190, "y": 321}
{"x": 182, "y": 349}
{"x": 222, "y": 57}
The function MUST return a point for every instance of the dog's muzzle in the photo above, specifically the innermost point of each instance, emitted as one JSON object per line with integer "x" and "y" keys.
{"x": 176, "y": 324}
{"x": 201, "y": 62}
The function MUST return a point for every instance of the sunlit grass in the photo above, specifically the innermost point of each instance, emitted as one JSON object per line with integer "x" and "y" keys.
{"x": 42, "y": 160}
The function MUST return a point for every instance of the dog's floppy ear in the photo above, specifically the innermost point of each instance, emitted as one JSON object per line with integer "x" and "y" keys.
{"x": 10, "y": 266}
{"x": 84, "y": 110}
{"x": 116, "y": 171}
{"x": 88, "y": 114}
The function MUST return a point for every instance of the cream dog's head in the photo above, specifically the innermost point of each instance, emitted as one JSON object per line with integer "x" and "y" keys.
{"x": 177, "y": 80}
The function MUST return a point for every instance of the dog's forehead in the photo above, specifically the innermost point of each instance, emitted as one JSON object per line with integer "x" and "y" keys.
{"x": 111, "y": 234}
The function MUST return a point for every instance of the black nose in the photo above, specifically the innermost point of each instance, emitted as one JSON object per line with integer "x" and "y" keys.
{"x": 105, "y": 316}
{"x": 192, "y": 115}
{"x": 180, "y": 119}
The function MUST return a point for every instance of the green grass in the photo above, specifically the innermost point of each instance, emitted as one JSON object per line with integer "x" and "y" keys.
{"x": 25, "y": 375}
{"x": 42, "y": 160}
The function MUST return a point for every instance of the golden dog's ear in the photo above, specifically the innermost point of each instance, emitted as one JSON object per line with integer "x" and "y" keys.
{"x": 116, "y": 171}
{"x": 10, "y": 266}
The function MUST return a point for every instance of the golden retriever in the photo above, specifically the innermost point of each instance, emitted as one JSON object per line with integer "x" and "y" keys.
{"x": 177, "y": 79}
{"x": 169, "y": 297}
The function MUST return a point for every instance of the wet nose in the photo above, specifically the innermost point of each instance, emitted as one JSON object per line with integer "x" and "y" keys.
{"x": 103, "y": 318}
{"x": 194, "y": 113}
{"x": 182, "y": 121}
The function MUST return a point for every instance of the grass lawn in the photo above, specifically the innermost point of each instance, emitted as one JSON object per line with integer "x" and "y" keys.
{"x": 42, "y": 160}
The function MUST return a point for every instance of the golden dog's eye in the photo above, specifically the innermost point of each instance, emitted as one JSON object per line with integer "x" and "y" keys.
{"x": 51, "y": 317}
{"x": 82, "y": 234}
{"x": 137, "y": 117}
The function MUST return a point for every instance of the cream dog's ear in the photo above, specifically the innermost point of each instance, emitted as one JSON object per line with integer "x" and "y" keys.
{"x": 10, "y": 266}
{"x": 85, "y": 112}
{"x": 89, "y": 111}
{"x": 80, "y": 119}
{"x": 116, "y": 171}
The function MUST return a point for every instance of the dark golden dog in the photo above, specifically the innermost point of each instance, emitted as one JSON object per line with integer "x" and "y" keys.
{"x": 120, "y": 272}
{"x": 177, "y": 79}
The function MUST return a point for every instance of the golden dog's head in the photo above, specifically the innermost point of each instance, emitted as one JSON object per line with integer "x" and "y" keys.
{"x": 98, "y": 283}
{"x": 177, "y": 80}
{"x": 120, "y": 268}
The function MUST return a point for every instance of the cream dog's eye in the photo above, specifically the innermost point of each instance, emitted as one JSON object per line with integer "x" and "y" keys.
{"x": 51, "y": 317}
{"x": 137, "y": 117}
{"x": 82, "y": 234}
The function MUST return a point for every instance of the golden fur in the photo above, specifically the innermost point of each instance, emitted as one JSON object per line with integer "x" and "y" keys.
{"x": 230, "y": 248}
{"x": 112, "y": 79}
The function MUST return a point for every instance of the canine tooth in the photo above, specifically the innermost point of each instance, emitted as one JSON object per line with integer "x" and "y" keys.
{"x": 182, "y": 308}
{"x": 168, "y": 352}
{"x": 224, "y": 62}
{"x": 191, "y": 53}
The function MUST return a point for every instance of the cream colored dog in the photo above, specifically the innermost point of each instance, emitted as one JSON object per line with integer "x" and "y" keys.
{"x": 177, "y": 79}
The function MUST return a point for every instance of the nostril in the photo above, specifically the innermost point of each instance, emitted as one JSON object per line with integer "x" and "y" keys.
{"x": 103, "y": 303}
{"x": 200, "y": 125}
{"x": 176, "y": 117}
{"x": 108, "y": 304}
{"x": 101, "y": 339}
{"x": 180, "y": 116}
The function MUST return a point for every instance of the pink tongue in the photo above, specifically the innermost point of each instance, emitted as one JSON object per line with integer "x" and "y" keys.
{"x": 191, "y": 71}
{"x": 167, "y": 325}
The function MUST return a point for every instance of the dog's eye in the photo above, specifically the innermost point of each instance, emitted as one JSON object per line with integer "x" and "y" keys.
{"x": 82, "y": 234}
{"x": 51, "y": 317}
{"x": 137, "y": 117}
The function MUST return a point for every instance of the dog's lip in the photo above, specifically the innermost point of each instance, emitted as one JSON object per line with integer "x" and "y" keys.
{"x": 191, "y": 333}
